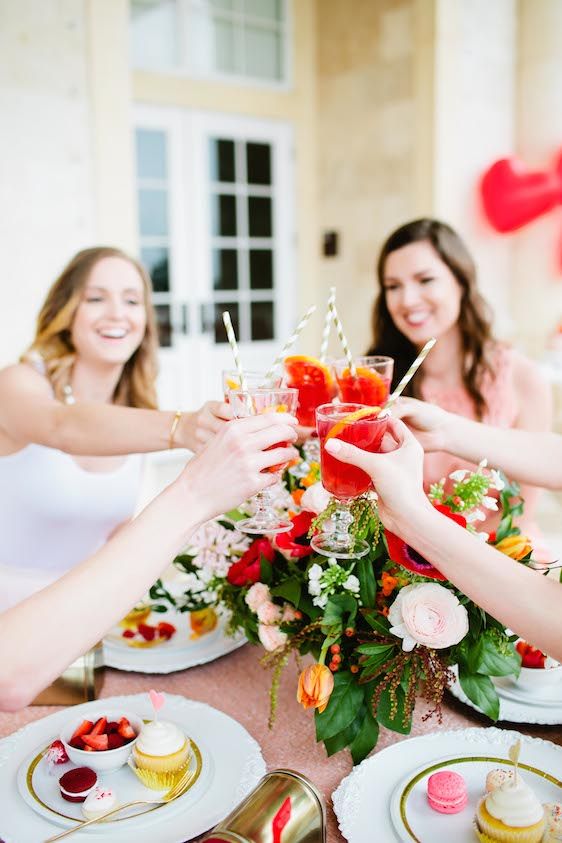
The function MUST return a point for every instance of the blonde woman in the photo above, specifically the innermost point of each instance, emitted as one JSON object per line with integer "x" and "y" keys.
{"x": 81, "y": 399}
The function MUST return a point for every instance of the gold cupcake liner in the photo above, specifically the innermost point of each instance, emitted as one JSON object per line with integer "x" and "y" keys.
{"x": 511, "y": 836}
{"x": 159, "y": 780}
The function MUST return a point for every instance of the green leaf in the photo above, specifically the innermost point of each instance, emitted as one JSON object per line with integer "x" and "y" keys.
{"x": 289, "y": 589}
{"x": 385, "y": 717}
{"x": 367, "y": 581}
{"x": 487, "y": 658}
{"x": 337, "y": 608}
{"x": 374, "y": 649}
{"x": 377, "y": 622}
{"x": 346, "y": 736}
{"x": 342, "y": 708}
{"x": 366, "y": 739}
{"x": 266, "y": 570}
{"x": 480, "y": 690}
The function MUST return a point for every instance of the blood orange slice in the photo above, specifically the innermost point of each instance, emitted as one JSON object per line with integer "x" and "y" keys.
{"x": 303, "y": 370}
{"x": 363, "y": 413}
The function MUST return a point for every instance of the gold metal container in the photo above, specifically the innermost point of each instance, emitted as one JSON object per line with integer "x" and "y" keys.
{"x": 81, "y": 681}
{"x": 284, "y": 807}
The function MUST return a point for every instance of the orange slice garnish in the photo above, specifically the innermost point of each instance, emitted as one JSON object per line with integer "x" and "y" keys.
{"x": 302, "y": 369}
{"x": 232, "y": 384}
{"x": 362, "y": 372}
{"x": 363, "y": 413}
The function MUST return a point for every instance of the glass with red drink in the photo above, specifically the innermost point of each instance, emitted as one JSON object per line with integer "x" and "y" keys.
{"x": 315, "y": 383}
{"x": 363, "y": 427}
{"x": 371, "y": 382}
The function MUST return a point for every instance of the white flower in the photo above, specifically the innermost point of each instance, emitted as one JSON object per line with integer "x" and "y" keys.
{"x": 497, "y": 482}
{"x": 475, "y": 515}
{"x": 482, "y": 536}
{"x": 351, "y": 584}
{"x": 289, "y": 613}
{"x": 489, "y": 503}
{"x": 481, "y": 465}
{"x": 271, "y": 637}
{"x": 259, "y": 593}
{"x": 315, "y": 572}
{"x": 427, "y": 614}
{"x": 314, "y": 588}
{"x": 321, "y": 601}
{"x": 269, "y": 613}
{"x": 214, "y": 546}
{"x": 315, "y": 499}
{"x": 458, "y": 475}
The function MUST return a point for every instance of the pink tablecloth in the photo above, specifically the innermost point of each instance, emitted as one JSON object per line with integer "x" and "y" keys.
{"x": 239, "y": 686}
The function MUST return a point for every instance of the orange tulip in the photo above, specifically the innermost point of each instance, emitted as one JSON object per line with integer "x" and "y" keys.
{"x": 515, "y": 546}
{"x": 316, "y": 684}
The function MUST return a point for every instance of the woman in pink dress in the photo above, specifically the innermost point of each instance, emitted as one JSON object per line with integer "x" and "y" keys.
{"x": 428, "y": 289}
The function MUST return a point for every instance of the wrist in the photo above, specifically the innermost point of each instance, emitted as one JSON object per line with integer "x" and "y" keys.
{"x": 413, "y": 518}
{"x": 184, "y": 509}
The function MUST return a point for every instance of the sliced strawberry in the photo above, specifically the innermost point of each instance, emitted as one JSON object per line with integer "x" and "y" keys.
{"x": 148, "y": 632}
{"x": 126, "y": 730}
{"x": 166, "y": 630}
{"x": 98, "y": 742}
{"x": 99, "y": 728}
{"x": 112, "y": 726}
{"x": 114, "y": 740}
{"x": 88, "y": 748}
{"x": 84, "y": 728}
{"x": 57, "y": 753}
{"x": 128, "y": 633}
{"x": 77, "y": 743}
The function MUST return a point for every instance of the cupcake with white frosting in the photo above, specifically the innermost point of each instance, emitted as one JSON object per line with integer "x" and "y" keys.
{"x": 553, "y": 833}
{"x": 98, "y": 802}
{"x": 160, "y": 755}
{"x": 510, "y": 813}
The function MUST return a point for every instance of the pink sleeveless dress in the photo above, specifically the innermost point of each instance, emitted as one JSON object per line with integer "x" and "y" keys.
{"x": 501, "y": 402}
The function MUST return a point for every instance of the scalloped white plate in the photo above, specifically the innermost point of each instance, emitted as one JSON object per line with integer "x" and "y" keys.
{"x": 518, "y": 707}
{"x": 236, "y": 765}
{"x": 364, "y": 799}
{"x": 179, "y": 653}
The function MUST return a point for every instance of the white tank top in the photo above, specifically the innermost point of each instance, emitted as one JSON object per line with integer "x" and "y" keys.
{"x": 54, "y": 514}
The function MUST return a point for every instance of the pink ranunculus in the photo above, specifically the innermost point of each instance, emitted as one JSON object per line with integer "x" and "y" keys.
{"x": 271, "y": 636}
{"x": 289, "y": 613}
{"x": 428, "y": 614}
{"x": 268, "y": 612}
{"x": 257, "y": 594}
{"x": 315, "y": 499}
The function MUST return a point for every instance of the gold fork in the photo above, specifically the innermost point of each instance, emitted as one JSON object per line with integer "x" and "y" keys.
{"x": 177, "y": 790}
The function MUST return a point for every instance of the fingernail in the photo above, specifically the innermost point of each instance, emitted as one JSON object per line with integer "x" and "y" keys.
{"x": 333, "y": 446}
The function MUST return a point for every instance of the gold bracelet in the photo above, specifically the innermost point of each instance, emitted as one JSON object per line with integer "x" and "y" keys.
{"x": 175, "y": 422}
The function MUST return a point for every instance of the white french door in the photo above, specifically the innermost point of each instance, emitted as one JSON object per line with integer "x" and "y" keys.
{"x": 217, "y": 232}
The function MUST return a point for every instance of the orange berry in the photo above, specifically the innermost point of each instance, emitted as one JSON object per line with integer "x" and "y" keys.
{"x": 335, "y": 648}
{"x": 349, "y": 631}
{"x": 336, "y": 658}
{"x": 298, "y": 615}
{"x": 333, "y": 666}
{"x": 354, "y": 668}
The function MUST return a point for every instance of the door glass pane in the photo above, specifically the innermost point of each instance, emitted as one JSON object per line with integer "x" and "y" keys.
{"x": 258, "y": 163}
{"x": 225, "y": 5}
{"x": 156, "y": 262}
{"x": 225, "y": 269}
{"x": 164, "y": 319}
{"x": 151, "y": 154}
{"x": 154, "y": 28}
{"x": 222, "y": 160}
{"x": 263, "y": 53}
{"x": 153, "y": 212}
{"x": 262, "y": 320}
{"x": 261, "y": 269}
{"x": 220, "y": 332}
{"x": 269, "y": 9}
{"x": 224, "y": 215}
{"x": 225, "y": 51}
{"x": 259, "y": 216}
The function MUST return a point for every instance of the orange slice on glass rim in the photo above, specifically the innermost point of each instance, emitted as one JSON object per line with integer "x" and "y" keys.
{"x": 232, "y": 384}
{"x": 363, "y": 413}
{"x": 302, "y": 369}
{"x": 362, "y": 372}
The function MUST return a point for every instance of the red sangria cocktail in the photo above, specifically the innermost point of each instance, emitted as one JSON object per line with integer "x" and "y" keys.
{"x": 360, "y": 426}
{"x": 315, "y": 384}
{"x": 371, "y": 383}
{"x": 253, "y": 402}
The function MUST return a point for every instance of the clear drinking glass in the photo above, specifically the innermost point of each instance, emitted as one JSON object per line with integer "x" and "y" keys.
{"x": 254, "y": 380}
{"x": 345, "y": 482}
{"x": 249, "y": 403}
{"x": 371, "y": 383}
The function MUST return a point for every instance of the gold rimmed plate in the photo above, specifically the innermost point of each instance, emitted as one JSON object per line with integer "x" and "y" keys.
{"x": 414, "y": 820}
{"x": 38, "y": 785}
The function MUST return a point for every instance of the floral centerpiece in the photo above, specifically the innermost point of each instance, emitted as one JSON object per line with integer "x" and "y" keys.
{"x": 383, "y": 629}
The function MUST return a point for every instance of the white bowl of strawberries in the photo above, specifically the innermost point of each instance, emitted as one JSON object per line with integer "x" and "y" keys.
{"x": 103, "y": 743}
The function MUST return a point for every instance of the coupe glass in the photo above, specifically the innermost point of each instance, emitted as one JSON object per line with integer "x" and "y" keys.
{"x": 345, "y": 482}
{"x": 250, "y": 403}
{"x": 371, "y": 383}
{"x": 254, "y": 380}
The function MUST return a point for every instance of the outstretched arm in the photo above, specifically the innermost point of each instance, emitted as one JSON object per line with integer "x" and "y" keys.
{"x": 520, "y": 598}
{"x": 95, "y": 595}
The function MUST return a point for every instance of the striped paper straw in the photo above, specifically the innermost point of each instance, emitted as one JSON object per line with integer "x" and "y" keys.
{"x": 342, "y": 338}
{"x": 290, "y": 342}
{"x": 234, "y": 348}
{"x": 410, "y": 373}
{"x": 327, "y": 326}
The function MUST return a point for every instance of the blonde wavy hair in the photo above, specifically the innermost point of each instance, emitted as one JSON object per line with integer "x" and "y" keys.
{"x": 53, "y": 343}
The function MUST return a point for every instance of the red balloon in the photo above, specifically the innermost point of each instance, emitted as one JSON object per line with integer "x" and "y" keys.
{"x": 513, "y": 196}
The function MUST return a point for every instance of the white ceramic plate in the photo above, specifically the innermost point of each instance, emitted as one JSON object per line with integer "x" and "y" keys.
{"x": 518, "y": 706}
{"x": 232, "y": 765}
{"x": 179, "y": 653}
{"x": 370, "y": 797}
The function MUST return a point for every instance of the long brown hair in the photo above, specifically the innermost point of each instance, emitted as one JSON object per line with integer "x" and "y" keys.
{"x": 53, "y": 343}
{"x": 474, "y": 317}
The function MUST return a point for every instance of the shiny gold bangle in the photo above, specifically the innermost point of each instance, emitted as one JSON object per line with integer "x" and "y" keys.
{"x": 175, "y": 422}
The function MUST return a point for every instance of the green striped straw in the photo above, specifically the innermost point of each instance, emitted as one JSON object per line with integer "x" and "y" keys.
{"x": 342, "y": 338}
{"x": 327, "y": 326}
{"x": 234, "y": 348}
{"x": 410, "y": 373}
{"x": 290, "y": 342}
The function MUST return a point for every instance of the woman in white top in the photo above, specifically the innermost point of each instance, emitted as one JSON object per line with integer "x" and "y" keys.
{"x": 81, "y": 399}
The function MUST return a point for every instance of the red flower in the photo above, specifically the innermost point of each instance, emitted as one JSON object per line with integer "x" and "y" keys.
{"x": 248, "y": 568}
{"x": 409, "y": 558}
{"x": 294, "y": 541}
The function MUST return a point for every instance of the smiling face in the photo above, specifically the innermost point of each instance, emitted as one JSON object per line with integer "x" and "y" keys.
{"x": 422, "y": 294}
{"x": 110, "y": 321}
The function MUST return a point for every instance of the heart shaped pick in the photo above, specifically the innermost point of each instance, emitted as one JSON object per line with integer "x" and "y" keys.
{"x": 157, "y": 699}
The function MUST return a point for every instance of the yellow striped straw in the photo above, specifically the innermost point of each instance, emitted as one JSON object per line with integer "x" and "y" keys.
{"x": 234, "y": 348}
{"x": 290, "y": 342}
{"x": 327, "y": 326}
{"x": 342, "y": 338}
{"x": 410, "y": 373}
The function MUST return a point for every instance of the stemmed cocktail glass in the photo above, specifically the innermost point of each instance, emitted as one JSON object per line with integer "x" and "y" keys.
{"x": 361, "y": 426}
{"x": 251, "y": 402}
{"x": 370, "y": 384}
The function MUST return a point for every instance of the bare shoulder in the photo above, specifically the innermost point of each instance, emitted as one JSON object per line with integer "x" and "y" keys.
{"x": 527, "y": 374}
{"x": 21, "y": 377}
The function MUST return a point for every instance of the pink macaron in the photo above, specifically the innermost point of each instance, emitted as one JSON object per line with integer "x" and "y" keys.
{"x": 446, "y": 792}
